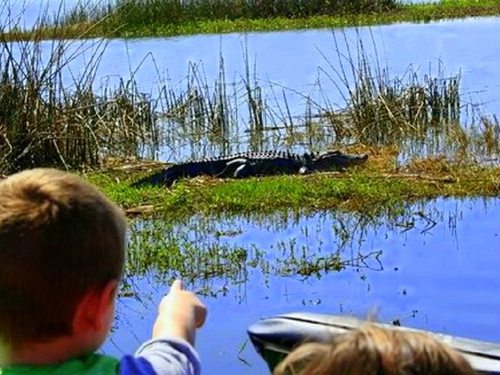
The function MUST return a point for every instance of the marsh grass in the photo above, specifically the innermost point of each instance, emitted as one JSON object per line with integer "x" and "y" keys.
{"x": 382, "y": 109}
{"x": 207, "y": 248}
{"x": 75, "y": 127}
{"x": 202, "y": 114}
{"x": 144, "y": 14}
{"x": 205, "y": 119}
{"x": 142, "y": 18}
{"x": 50, "y": 114}
{"x": 421, "y": 114}
{"x": 63, "y": 120}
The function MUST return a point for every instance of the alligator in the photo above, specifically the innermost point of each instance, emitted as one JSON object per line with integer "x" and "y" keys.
{"x": 255, "y": 164}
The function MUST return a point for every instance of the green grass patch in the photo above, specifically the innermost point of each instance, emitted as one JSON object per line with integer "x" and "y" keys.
{"x": 370, "y": 190}
{"x": 409, "y": 13}
{"x": 139, "y": 18}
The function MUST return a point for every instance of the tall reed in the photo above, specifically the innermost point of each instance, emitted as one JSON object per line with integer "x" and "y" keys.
{"x": 52, "y": 116}
{"x": 381, "y": 109}
{"x": 421, "y": 114}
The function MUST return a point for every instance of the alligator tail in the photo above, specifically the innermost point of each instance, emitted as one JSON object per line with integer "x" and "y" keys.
{"x": 165, "y": 177}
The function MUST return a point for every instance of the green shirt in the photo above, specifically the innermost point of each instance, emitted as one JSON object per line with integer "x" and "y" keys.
{"x": 91, "y": 364}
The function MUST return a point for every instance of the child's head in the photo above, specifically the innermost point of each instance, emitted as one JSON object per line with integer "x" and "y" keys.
{"x": 372, "y": 350}
{"x": 59, "y": 239}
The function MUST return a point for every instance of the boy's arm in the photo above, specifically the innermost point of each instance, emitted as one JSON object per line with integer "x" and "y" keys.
{"x": 180, "y": 314}
{"x": 168, "y": 355}
{"x": 171, "y": 350}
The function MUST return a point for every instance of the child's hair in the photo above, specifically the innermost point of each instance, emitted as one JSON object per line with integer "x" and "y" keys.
{"x": 373, "y": 350}
{"x": 59, "y": 238}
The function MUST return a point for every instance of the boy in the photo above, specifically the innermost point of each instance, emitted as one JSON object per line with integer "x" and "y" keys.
{"x": 375, "y": 350}
{"x": 62, "y": 251}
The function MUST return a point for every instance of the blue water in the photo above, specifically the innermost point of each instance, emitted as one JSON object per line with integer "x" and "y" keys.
{"x": 302, "y": 65}
{"x": 296, "y": 60}
{"x": 443, "y": 278}
{"x": 437, "y": 270}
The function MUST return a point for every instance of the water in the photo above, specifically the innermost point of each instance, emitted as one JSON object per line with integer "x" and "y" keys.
{"x": 300, "y": 65}
{"x": 435, "y": 267}
{"x": 441, "y": 277}
{"x": 295, "y": 60}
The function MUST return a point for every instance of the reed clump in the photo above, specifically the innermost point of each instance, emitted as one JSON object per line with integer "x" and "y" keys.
{"x": 420, "y": 114}
{"x": 50, "y": 116}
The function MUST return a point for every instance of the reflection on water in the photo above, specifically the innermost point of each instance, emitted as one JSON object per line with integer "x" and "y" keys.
{"x": 301, "y": 66}
{"x": 432, "y": 266}
{"x": 205, "y": 249}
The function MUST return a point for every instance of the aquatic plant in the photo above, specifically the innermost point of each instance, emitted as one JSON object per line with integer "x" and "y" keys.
{"x": 204, "y": 249}
{"x": 381, "y": 109}
{"x": 65, "y": 121}
{"x": 51, "y": 115}
{"x": 421, "y": 114}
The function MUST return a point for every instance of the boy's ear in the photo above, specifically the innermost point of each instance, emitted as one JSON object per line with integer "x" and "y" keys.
{"x": 94, "y": 307}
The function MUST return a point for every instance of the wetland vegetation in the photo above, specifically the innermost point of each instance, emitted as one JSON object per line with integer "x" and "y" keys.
{"x": 427, "y": 145}
{"x": 148, "y": 18}
{"x": 413, "y": 127}
{"x": 51, "y": 117}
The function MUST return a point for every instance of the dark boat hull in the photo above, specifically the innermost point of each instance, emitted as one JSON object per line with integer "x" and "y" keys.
{"x": 274, "y": 337}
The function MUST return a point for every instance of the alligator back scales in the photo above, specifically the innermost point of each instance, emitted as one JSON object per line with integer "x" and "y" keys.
{"x": 254, "y": 164}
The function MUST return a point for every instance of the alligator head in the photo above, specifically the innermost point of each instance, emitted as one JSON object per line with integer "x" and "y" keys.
{"x": 336, "y": 160}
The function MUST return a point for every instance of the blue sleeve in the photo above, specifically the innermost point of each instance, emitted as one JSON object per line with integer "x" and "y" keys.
{"x": 130, "y": 365}
{"x": 165, "y": 356}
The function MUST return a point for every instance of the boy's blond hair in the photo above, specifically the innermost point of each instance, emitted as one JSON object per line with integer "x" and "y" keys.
{"x": 373, "y": 350}
{"x": 59, "y": 238}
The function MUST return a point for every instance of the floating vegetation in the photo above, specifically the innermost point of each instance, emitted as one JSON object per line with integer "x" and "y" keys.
{"x": 216, "y": 254}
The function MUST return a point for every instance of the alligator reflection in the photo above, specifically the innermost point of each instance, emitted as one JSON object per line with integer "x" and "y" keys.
{"x": 214, "y": 253}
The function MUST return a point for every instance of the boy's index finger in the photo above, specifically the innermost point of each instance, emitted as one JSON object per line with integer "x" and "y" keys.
{"x": 176, "y": 285}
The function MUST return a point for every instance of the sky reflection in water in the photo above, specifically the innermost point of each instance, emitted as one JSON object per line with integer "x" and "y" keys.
{"x": 443, "y": 278}
{"x": 438, "y": 270}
